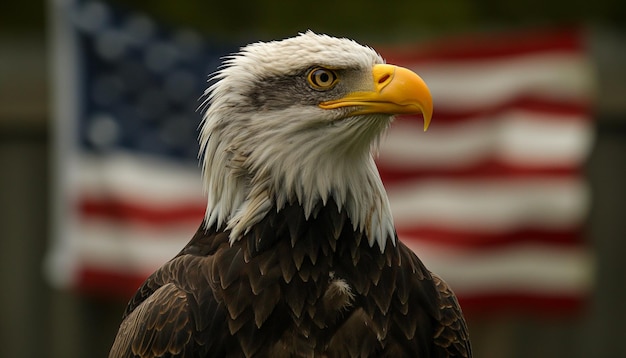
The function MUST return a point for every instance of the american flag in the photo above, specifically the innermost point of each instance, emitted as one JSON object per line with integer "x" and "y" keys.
{"x": 493, "y": 197}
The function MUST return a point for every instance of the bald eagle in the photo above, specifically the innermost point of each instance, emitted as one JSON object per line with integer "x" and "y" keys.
{"x": 297, "y": 255}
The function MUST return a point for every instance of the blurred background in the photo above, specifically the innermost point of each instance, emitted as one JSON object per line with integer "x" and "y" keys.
{"x": 98, "y": 106}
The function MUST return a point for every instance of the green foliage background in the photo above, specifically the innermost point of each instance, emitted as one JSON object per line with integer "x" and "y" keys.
{"x": 375, "y": 19}
{"x": 365, "y": 19}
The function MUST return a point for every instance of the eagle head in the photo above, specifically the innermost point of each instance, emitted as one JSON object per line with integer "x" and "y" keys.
{"x": 297, "y": 121}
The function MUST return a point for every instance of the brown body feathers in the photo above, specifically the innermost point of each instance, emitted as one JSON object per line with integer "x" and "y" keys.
{"x": 293, "y": 288}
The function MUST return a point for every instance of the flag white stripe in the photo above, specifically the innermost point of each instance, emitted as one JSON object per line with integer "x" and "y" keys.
{"x": 490, "y": 204}
{"x": 468, "y": 85}
{"x": 136, "y": 249}
{"x": 521, "y": 268}
{"x": 142, "y": 179}
{"x": 516, "y": 136}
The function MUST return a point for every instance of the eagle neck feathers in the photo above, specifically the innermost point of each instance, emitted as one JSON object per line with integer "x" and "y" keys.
{"x": 244, "y": 185}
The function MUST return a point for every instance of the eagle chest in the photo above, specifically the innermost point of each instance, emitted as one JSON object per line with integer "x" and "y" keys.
{"x": 296, "y": 282}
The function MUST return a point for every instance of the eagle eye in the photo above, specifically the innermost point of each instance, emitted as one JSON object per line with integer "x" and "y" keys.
{"x": 322, "y": 78}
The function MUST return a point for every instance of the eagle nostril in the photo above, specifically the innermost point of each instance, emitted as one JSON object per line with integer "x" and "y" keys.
{"x": 383, "y": 78}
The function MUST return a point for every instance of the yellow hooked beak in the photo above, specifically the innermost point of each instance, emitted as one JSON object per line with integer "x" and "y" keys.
{"x": 397, "y": 90}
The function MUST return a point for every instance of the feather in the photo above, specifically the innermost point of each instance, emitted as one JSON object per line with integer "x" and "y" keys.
{"x": 236, "y": 298}
{"x": 295, "y": 299}
{"x": 229, "y": 265}
{"x": 287, "y": 266}
{"x": 382, "y": 294}
{"x": 267, "y": 301}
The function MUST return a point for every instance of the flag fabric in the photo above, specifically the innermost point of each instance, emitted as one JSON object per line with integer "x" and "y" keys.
{"x": 493, "y": 197}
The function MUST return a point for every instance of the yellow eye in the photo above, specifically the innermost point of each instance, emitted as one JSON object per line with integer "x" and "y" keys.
{"x": 322, "y": 78}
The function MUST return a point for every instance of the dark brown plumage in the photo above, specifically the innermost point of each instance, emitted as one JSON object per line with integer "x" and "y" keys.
{"x": 274, "y": 294}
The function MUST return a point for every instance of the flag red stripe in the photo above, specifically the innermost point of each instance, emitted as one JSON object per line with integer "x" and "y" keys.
{"x": 132, "y": 211}
{"x": 556, "y": 109}
{"x": 486, "y": 240}
{"x": 487, "y": 169}
{"x": 111, "y": 284}
{"x": 523, "y": 302}
{"x": 108, "y": 283}
{"x": 483, "y": 48}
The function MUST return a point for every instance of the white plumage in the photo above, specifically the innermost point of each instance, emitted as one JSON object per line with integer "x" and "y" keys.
{"x": 243, "y": 176}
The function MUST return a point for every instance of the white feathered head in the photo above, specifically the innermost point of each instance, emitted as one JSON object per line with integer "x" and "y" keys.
{"x": 297, "y": 120}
